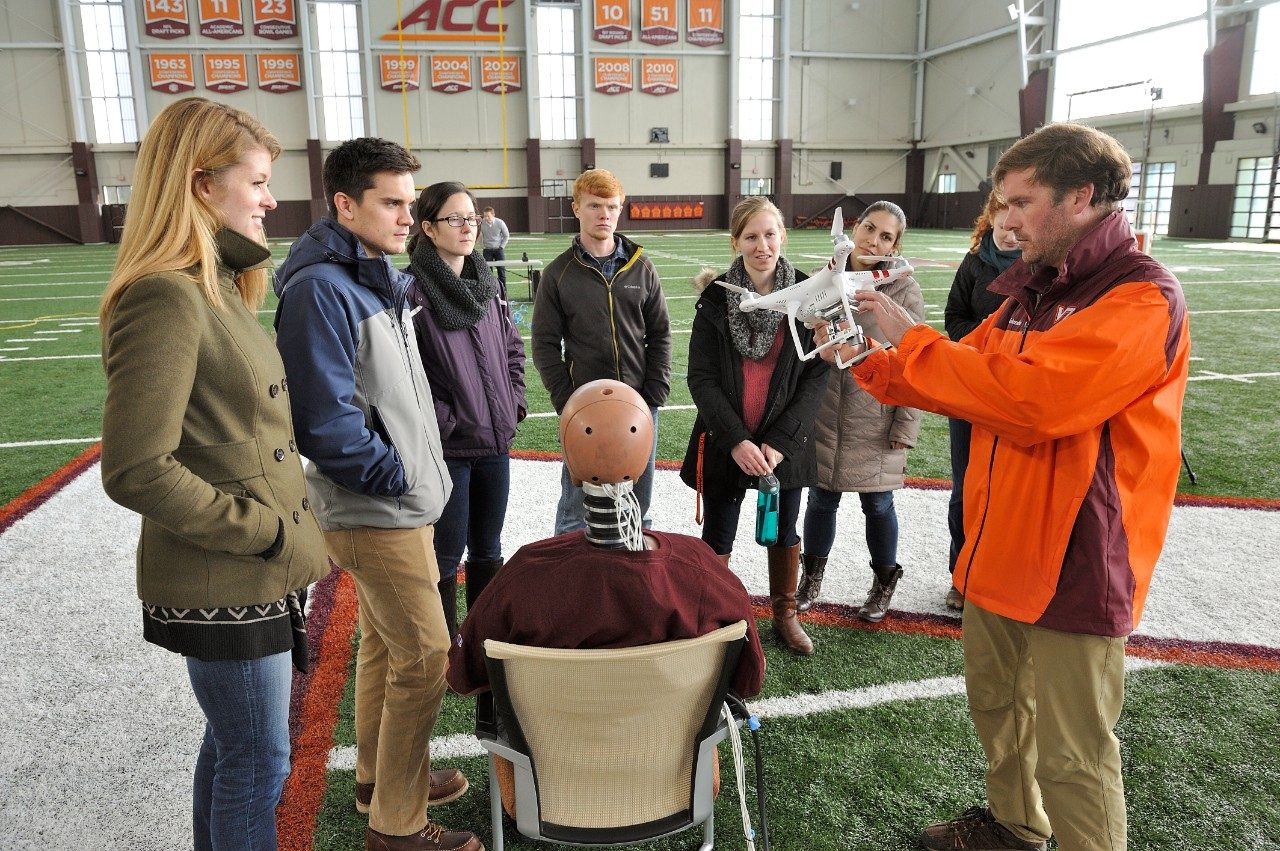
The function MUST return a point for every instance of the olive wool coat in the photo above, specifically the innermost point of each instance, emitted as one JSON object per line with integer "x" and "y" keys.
{"x": 197, "y": 438}
{"x": 853, "y": 429}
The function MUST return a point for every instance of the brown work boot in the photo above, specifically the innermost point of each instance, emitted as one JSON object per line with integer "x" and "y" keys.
{"x": 447, "y": 784}
{"x": 955, "y": 600}
{"x": 810, "y": 581}
{"x": 784, "y": 570}
{"x": 975, "y": 830}
{"x": 433, "y": 837}
{"x": 877, "y": 604}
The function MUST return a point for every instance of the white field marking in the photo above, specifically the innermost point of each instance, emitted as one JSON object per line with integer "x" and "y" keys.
{"x": 1244, "y": 246}
{"x": 653, "y": 252}
{"x": 50, "y": 357}
{"x": 23, "y": 262}
{"x": 16, "y": 349}
{"x": 77, "y": 322}
{"x": 28, "y": 443}
{"x": 1243, "y": 378}
{"x": 1180, "y": 269}
{"x": 464, "y": 745}
{"x": 30, "y": 340}
{"x": 51, "y": 298}
{"x": 54, "y": 284}
{"x": 60, "y": 331}
{"x": 1241, "y": 310}
{"x": 663, "y": 408}
{"x": 1193, "y": 357}
{"x": 58, "y": 319}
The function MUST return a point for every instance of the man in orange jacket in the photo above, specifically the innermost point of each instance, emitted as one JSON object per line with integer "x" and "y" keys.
{"x": 1074, "y": 388}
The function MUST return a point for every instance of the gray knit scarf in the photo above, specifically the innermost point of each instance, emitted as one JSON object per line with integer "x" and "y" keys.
{"x": 753, "y": 333}
{"x": 458, "y": 302}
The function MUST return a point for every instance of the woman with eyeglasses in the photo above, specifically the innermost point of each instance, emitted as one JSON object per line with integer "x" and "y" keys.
{"x": 474, "y": 359}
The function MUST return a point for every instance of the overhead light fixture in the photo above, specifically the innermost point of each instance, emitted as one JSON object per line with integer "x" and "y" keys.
{"x": 1013, "y": 11}
{"x": 1259, "y": 127}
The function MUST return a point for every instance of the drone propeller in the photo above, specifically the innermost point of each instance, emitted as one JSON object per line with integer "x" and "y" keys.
{"x": 837, "y": 224}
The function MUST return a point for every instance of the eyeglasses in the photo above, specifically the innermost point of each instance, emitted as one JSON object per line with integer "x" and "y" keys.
{"x": 456, "y": 221}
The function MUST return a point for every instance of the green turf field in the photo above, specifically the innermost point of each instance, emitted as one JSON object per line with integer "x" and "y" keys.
{"x": 53, "y": 384}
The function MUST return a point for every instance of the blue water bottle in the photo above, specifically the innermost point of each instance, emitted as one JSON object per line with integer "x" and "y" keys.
{"x": 767, "y": 510}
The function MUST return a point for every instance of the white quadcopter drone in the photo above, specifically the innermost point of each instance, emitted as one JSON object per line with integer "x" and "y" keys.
{"x": 827, "y": 297}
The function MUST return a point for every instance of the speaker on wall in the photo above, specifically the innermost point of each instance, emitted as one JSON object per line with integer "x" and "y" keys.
{"x": 659, "y": 169}
{"x": 837, "y": 169}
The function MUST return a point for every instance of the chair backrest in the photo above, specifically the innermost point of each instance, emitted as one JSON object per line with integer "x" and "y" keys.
{"x": 613, "y": 734}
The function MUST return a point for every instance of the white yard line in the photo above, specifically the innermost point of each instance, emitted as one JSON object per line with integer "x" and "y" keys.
{"x": 51, "y": 357}
{"x": 28, "y": 443}
{"x": 1243, "y": 378}
{"x": 30, "y": 340}
{"x": 63, "y": 331}
{"x": 52, "y": 298}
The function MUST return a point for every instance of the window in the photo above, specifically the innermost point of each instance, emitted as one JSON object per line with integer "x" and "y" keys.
{"x": 338, "y": 55}
{"x": 1094, "y": 81}
{"x": 107, "y": 60}
{"x": 946, "y": 184}
{"x": 1255, "y": 198}
{"x": 1266, "y": 60}
{"x": 755, "y": 70}
{"x": 1150, "y": 197}
{"x": 757, "y": 186}
{"x": 557, "y": 73}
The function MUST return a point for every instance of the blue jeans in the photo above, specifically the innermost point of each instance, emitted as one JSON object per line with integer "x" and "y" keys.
{"x": 244, "y": 758}
{"x": 571, "y": 513}
{"x": 473, "y": 516}
{"x": 721, "y": 516}
{"x": 882, "y": 524}
{"x": 961, "y": 432}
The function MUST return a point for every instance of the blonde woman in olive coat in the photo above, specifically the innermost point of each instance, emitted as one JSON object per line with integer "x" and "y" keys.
{"x": 197, "y": 438}
{"x": 861, "y": 444}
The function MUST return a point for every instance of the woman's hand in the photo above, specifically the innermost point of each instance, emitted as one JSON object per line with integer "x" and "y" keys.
{"x": 752, "y": 460}
{"x": 771, "y": 455}
{"x": 822, "y": 334}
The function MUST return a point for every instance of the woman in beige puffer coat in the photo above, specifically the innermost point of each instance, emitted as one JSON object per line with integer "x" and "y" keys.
{"x": 862, "y": 444}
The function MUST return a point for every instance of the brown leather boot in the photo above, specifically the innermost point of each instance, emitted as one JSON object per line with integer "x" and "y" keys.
{"x": 877, "y": 604}
{"x": 810, "y": 581}
{"x": 784, "y": 570}
{"x": 433, "y": 837}
{"x": 447, "y": 784}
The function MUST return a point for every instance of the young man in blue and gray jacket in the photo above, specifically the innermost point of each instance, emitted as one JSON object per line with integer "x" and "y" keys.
{"x": 364, "y": 418}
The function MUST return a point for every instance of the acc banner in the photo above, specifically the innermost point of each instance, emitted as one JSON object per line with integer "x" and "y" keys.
{"x": 274, "y": 19}
{"x": 500, "y": 74}
{"x": 658, "y": 21}
{"x": 613, "y": 21}
{"x": 279, "y": 72}
{"x": 451, "y": 73}
{"x": 706, "y": 22}
{"x": 613, "y": 75}
{"x": 225, "y": 72}
{"x": 221, "y": 19}
{"x": 172, "y": 73}
{"x": 400, "y": 74}
{"x": 165, "y": 18}
{"x": 659, "y": 76}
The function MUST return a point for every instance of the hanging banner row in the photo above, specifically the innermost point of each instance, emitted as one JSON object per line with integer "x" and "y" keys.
{"x": 658, "y": 22}
{"x": 219, "y": 18}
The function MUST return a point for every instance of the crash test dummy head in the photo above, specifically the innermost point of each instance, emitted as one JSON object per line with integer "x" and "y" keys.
{"x": 606, "y": 433}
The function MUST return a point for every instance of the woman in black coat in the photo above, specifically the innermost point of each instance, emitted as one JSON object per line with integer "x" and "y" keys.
{"x": 756, "y": 404}
{"x": 992, "y": 250}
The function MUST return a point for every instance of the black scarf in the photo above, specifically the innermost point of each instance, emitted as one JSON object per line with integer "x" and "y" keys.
{"x": 753, "y": 333}
{"x": 458, "y": 302}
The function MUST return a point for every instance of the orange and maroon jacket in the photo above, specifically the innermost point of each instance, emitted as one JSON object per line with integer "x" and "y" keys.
{"x": 1074, "y": 388}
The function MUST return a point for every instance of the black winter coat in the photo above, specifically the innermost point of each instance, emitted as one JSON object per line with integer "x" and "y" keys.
{"x": 969, "y": 301}
{"x": 715, "y": 382}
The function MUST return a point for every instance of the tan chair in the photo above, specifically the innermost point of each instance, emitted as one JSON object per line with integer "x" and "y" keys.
{"x": 611, "y": 747}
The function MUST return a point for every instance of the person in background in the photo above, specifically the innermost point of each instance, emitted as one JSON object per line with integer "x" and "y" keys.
{"x": 862, "y": 444}
{"x": 992, "y": 249}
{"x": 494, "y": 237}
{"x": 600, "y": 313}
{"x": 376, "y": 473}
{"x": 197, "y": 438}
{"x": 756, "y": 402}
{"x": 474, "y": 359}
{"x": 1074, "y": 388}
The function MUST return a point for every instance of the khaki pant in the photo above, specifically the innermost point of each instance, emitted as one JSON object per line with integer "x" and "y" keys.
{"x": 1045, "y": 704}
{"x": 404, "y": 645}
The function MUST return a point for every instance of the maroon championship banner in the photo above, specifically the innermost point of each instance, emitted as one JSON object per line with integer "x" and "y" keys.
{"x": 274, "y": 19}
{"x": 165, "y": 18}
{"x": 279, "y": 72}
{"x": 658, "y": 22}
{"x": 706, "y": 23}
{"x": 221, "y": 19}
{"x": 500, "y": 75}
{"x": 613, "y": 21}
{"x": 613, "y": 75}
{"x": 659, "y": 76}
